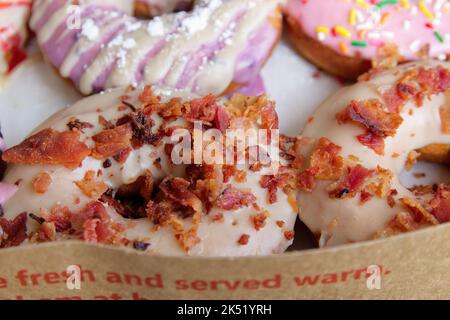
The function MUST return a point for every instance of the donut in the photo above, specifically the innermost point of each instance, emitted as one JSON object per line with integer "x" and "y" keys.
{"x": 358, "y": 142}
{"x": 14, "y": 16}
{"x": 344, "y": 37}
{"x": 216, "y": 45}
{"x": 103, "y": 171}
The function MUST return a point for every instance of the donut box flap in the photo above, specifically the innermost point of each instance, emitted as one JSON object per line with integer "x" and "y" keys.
{"x": 414, "y": 265}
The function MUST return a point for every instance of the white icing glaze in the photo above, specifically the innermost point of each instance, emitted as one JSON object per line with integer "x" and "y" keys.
{"x": 217, "y": 239}
{"x": 345, "y": 220}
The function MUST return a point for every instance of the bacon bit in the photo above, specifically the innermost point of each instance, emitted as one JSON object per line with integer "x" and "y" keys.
{"x": 105, "y": 123}
{"x": 269, "y": 117}
{"x": 177, "y": 190}
{"x": 240, "y": 176}
{"x": 441, "y": 204}
{"x": 218, "y": 217}
{"x": 365, "y": 196}
{"x": 46, "y": 233}
{"x": 142, "y": 187}
{"x": 96, "y": 231}
{"x": 234, "y": 199}
{"x": 41, "y": 182}
{"x": 382, "y": 182}
{"x": 147, "y": 97}
{"x": 93, "y": 210}
{"x": 112, "y": 142}
{"x": 444, "y": 112}
{"x": 122, "y": 156}
{"x": 222, "y": 119}
{"x": 289, "y": 235}
{"x": 259, "y": 220}
{"x": 325, "y": 157}
{"x": 306, "y": 181}
{"x": 228, "y": 172}
{"x": 411, "y": 160}
{"x": 390, "y": 198}
{"x": 13, "y": 232}
{"x": 90, "y": 187}
{"x": 354, "y": 178}
{"x": 419, "y": 214}
{"x": 49, "y": 147}
{"x": 372, "y": 141}
{"x": 78, "y": 125}
{"x": 370, "y": 114}
{"x": 243, "y": 240}
{"x": 387, "y": 57}
{"x": 61, "y": 216}
{"x": 280, "y": 223}
{"x": 203, "y": 109}
{"x": 272, "y": 183}
{"x": 187, "y": 239}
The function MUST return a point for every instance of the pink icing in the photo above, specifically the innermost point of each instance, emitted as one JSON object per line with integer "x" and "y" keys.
{"x": 405, "y": 24}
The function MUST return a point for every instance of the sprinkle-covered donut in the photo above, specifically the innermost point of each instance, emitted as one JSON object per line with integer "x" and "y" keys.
{"x": 360, "y": 140}
{"x": 98, "y": 45}
{"x": 104, "y": 171}
{"x": 342, "y": 37}
{"x": 14, "y": 16}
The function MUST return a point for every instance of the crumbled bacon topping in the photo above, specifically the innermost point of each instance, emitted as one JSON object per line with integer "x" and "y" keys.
{"x": 353, "y": 179}
{"x": 289, "y": 235}
{"x": 259, "y": 220}
{"x": 440, "y": 204}
{"x": 41, "y": 182}
{"x": 234, "y": 199}
{"x": 49, "y": 147}
{"x": 272, "y": 183}
{"x": 13, "y": 232}
{"x": 327, "y": 160}
{"x": 76, "y": 124}
{"x": 111, "y": 142}
{"x": 91, "y": 187}
{"x": 243, "y": 240}
{"x": 203, "y": 109}
{"x": 371, "y": 115}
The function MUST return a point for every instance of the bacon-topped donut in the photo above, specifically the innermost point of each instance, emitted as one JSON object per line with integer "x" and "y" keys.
{"x": 217, "y": 45}
{"x": 359, "y": 140}
{"x": 14, "y": 16}
{"x": 342, "y": 37}
{"x": 103, "y": 171}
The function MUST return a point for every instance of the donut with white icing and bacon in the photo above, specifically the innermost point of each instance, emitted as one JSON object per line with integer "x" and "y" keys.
{"x": 103, "y": 171}
{"x": 359, "y": 141}
{"x": 218, "y": 45}
{"x": 14, "y": 16}
{"x": 345, "y": 37}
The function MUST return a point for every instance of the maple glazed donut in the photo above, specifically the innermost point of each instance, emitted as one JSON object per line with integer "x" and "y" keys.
{"x": 102, "y": 171}
{"x": 344, "y": 37}
{"x": 217, "y": 45}
{"x": 14, "y": 16}
{"x": 359, "y": 140}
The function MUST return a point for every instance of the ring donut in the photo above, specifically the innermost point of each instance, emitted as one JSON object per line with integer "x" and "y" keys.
{"x": 101, "y": 171}
{"x": 214, "y": 46}
{"x": 360, "y": 140}
{"x": 14, "y": 16}
{"x": 343, "y": 37}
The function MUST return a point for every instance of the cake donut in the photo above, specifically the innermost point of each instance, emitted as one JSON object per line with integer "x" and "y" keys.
{"x": 218, "y": 44}
{"x": 359, "y": 140}
{"x": 343, "y": 37}
{"x": 103, "y": 171}
{"x": 14, "y": 16}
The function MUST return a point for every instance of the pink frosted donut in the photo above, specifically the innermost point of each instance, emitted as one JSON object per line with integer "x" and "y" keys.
{"x": 217, "y": 44}
{"x": 343, "y": 37}
{"x": 104, "y": 171}
{"x": 14, "y": 16}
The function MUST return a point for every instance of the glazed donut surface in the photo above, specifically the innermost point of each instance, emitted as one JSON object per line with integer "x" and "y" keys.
{"x": 361, "y": 138}
{"x": 102, "y": 171}
{"x": 205, "y": 50}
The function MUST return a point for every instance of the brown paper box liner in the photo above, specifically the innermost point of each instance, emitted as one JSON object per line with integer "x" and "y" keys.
{"x": 414, "y": 265}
